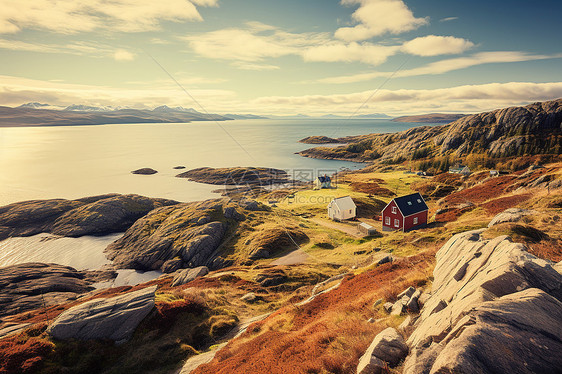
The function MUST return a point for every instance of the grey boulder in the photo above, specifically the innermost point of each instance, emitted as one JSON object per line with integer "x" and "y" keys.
{"x": 494, "y": 308}
{"x": 509, "y": 215}
{"x": 388, "y": 346}
{"x": 114, "y": 318}
{"x": 187, "y": 275}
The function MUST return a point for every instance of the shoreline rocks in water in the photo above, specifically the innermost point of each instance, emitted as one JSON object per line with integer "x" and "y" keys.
{"x": 236, "y": 176}
{"x": 144, "y": 171}
{"x": 96, "y": 215}
{"x": 30, "y": 286}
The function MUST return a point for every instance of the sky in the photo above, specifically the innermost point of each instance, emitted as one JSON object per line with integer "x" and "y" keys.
{"x": 346, "y": 57}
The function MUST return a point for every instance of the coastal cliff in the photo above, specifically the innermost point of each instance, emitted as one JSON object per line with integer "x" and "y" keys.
{"x": 516, "y": 131}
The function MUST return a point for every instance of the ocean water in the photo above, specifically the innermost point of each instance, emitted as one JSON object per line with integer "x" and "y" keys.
{"x": 85, "y": 253}
{"x": 78, "y": 161}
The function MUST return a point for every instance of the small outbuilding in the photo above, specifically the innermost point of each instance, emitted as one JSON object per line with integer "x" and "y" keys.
{"x": 405, "y": 213}
{"x": 342, "y": 208}
{"x": 366, "y": 229}
{"x": 323, "y": 181}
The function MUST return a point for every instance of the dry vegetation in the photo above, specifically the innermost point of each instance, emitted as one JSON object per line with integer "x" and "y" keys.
{"x": 326, "y": 335}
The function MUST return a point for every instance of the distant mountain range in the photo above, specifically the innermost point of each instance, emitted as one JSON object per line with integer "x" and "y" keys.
{"x": 333, "y": 116}
{"x": 41, "y": 114}
{"x": 37, "y": 114}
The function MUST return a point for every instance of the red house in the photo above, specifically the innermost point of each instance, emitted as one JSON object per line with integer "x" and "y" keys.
{"x": 405, "y": 213}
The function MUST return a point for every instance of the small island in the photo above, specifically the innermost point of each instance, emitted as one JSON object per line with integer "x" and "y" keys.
{"x": 144, "y": 171}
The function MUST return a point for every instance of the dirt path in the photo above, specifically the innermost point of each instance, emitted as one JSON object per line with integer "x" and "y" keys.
{"x": 349, "y": 230}
{"x": 203, "y": 358}
{"x": 294, "y": 258}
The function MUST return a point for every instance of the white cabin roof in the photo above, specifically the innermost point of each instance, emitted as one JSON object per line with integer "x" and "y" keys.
{"x": 344, "y": 203}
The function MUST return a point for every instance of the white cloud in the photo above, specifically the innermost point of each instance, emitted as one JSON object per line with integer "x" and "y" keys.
{"x": 240, "y": 44}
{"x": 454, "y": 99}
{"x": 256, "y": 67}
{"x": 365, "y": 52}
{"x": 260, "y": 41}
{"x": 444, "y": 66}
{"x": 378, "y": 17}
{"x": 16, "y": 90}
{"x": 123, "y": 55}
{"x": 70, "y": 16}
{"x": 433, "y": 45}
{"x": 448, "y": 19}
{"x": 468, "y": 98}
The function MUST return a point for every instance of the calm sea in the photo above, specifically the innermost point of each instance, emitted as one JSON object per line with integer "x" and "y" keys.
{"x": 78, "y": 161}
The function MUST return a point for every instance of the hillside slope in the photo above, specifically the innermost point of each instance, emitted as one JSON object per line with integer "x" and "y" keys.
{"x": 516, "y": 131}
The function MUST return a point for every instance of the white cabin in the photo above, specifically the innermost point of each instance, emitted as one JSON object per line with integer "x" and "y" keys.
{"x": 342, "y": 208}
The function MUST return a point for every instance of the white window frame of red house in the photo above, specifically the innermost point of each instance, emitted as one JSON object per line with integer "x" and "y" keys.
{"x": 415, "y": 220}
{"x": 393, "y": 210}
{"x": 396, "y": 222}
{"x": 387, "y": 221}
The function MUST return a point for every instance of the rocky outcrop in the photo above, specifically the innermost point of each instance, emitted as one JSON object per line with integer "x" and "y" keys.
{"x": 510, "y": 215}
{"x": 191, "y": 232}
{"x": 97, "y": 215}
{"x": 388, "y": 347}
{"x": 493, "y": 308}
{"x": 237, "y": 176}
{"x": 533, "y": 129}
{"x": 271, "y": 277}
{"x": 144, "y": 171}
{"x": 430, "y": 118}
{"x": 187, "y": 275}
{"x": 114, "y": 318}
{"x": 31, "y": 286}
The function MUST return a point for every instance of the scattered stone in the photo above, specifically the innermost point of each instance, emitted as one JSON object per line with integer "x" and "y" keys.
{"x": 172, "y": 265}
{"x": 249, "y": 297}
{"x": 388, "y": 306}
{"x": 405, "y": 324}
{"x": 144, "y": 171}
{"x": 179, "y": 167}
{"x": 387, "y": 346}
{"x": 510, "y": 215}
{"x": 385, "y": 260}
{"x": 187, "y": 275}
{"x": 114, "y": 318}
{"x": 397, "y": 308}
{"x": 371, "y": 320}
{"x": 407, "y": 292}
{"x": 371, "y": 365}
{"x": 377, "y": 303}
{"x": 232, "y": 213}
